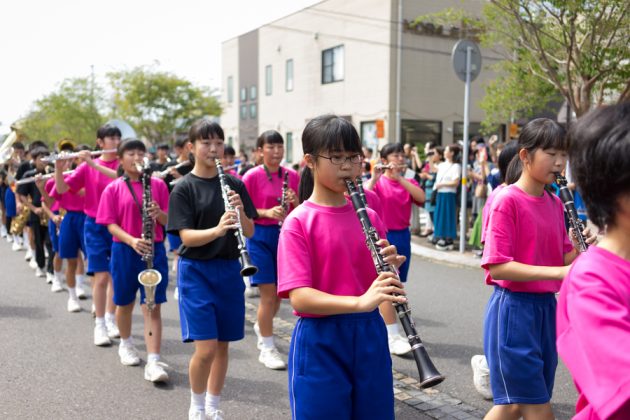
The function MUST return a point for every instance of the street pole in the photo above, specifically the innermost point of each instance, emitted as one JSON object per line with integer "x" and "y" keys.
{"x": 398, "y": 70}
{"x": 462, "y": 219}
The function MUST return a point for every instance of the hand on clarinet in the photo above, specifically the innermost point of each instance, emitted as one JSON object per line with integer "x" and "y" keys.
{"x": 381, "y": 290}
{"x": 154, "y": 210}
{"x": 141, "y": 246}
{"x": 292, "y": 198}
{"x": 589, "y": 237}
{"x": 229, "y": 221}
{"x": 390, "y": 253}
{"x": 235, "y": 199}
{"x": 276, "y": 213}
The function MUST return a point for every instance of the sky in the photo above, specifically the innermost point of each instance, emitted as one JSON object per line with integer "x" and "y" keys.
{"x": 43, "y": 42}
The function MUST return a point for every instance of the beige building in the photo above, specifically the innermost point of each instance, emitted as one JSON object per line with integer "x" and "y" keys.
{"x": 340, "y": 56}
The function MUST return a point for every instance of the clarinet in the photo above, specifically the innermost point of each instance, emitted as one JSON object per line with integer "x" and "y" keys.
{"x": 247, "y": 268}
{"x": 429, "y": 375}
{"x": 283, "y": 198}
{"x": 359, "y": 183}
{"x": 149, "y": 278}
{"x": 574, "y": 221}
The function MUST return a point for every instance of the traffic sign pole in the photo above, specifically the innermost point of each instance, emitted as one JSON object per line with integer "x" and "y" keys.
{"x": 462, "y": 219}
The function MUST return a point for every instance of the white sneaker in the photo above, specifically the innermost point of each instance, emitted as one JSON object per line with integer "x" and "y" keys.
{"x": 481, "y": 375}
{"x": 56, "y": 284}
{"x": 270, "y": 357}
{"x": 3, "y": 231}
{"x": 398, "y": 345}
{"x": 128, "y": 355}
{"x": 176, "y": 293}
{"x": 194, "y": 414}
{"x": 112, "y": 330}
{"x": 9, "y": 238}
{"x": 17, "y": 246}
{"x": 259, "y": 341}
{"x": 214, "y": 415}
{"x": 100, "y": 336}
{"x": 73, "y": 305}
{"x": 80, "y": 292}
{"x": 33, "y": 264}
{"x": 156, "y": 372}
{"x": 50, "y": 278}
{"x": 29, "y": 255}
{"x": 39, "y": 273}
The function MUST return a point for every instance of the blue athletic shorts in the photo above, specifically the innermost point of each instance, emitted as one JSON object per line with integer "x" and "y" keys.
{"x": 98, "y": 246}
{"x": 340, "y": 368}
{"x": 127, "y": 264}
{"x": 52, "y": 234}
{"x": 402, "y": 240}
{"x": 71, "y": 238}
{"x": 211, "y": 299}
{"x": 174, "y": 241}
{"x": 263, "y": 249}
{"x": 520, "y": 346}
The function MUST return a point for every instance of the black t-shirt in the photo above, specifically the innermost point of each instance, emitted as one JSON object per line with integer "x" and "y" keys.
{"x": 23, "y": 168}
{"x": 31, "y": 190}
{"x": 197, "y": 203}
{"x": 183, "y": 170}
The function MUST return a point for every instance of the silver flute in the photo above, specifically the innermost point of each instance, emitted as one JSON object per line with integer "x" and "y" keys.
{"x": 165, "y": 172}
{"x": 73, "y": 155}
{"x": 34, "y": 178}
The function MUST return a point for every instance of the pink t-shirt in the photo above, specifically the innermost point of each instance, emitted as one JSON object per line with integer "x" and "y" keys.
{"x": 529, "y": 230}
{"x": 233, "y": 173}
{"x": 50, "y": 187}
{"x": 593, "y": 328}
{"x": 486, "y": 210}
{"x": 117, "y": 206}
{"x": 396, "y": 202}
{"x": 265, "y": 194}
{"x": 93, "y": 181}
{"x": 324, "y": 248}
{"x": 373, "y": 202}
{"x": 70, "y": 200}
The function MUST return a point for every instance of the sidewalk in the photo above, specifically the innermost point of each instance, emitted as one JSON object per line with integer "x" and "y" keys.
{"x": 423, "y": 248}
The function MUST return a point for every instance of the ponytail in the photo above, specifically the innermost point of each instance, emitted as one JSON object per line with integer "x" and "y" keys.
{"x": 307, "y": 183}
{"x": 514, "y": 170}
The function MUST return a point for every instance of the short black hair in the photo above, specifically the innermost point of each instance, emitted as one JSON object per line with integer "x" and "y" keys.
{"x": 229, "y": 151}
{"x": 18, "y": 145}
{"x": 269, "y": 137}
{"x": 180, "y": 143}
{"x": 162, "y": 146}
{"x": 36, "y": 144}
{"x": 108, "y": 130}
{"x": 390, "y": 148}
{"x": 206, "y": 130}
{"x": 599, "y": 156}
{"x": 130, "y": 144}
{"x": 82, "y": 146}
{"x": 39, "y": 151}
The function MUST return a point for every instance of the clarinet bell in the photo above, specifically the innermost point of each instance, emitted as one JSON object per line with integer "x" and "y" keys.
{"x": 430, "y": 375}
{"x": 248, "y": 269}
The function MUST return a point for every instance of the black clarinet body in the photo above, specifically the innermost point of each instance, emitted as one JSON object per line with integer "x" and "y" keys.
{"x": 429, "y": 375}
{"x": 284, "y": 203}
{"x": 574, "y": 221}
{"x": 359, "y": 183}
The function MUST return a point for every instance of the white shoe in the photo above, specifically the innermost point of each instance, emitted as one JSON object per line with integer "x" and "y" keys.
{"x": 176, "y": 293}
{"x": 9, "y": 238}
{"x": 194, "y": 414}
{"x": 100, "y": 336}
{"x": 214, "y": 415}
{"x": 39, "y": 273}
{"x": 270, "y": 357}
{"x": 80, "y": 292}
{"x": 112, "y": 330}
{"x": 29, "y": 255}
{"x": 398, "y": 345}
{"x": 56, "y": 284}
{"x": 481, "y": 375}
{"x": 50, "y": 278}
{"x": 73, "y": 305}
{"x": 259, "y": 340}
{"x": 156, "y": 372}
{"x": 33, "y": 264}
{"x": 17, "y": 246}
{"x": 3, "y": 231}
{"x": 128, "y": 355}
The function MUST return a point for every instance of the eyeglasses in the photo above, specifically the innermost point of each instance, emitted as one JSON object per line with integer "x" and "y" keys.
{"x": 340, "y": 160}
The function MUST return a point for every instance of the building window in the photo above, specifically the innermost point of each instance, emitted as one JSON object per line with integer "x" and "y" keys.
{"x": 268, "y": 80}
{"x": 243, "y": 94}
{"x": 230, "y": 89}
{"x": 289, "y": 154}
{"x": 458, "y": 130}
{"x": 288, "y": 85}
{"x": 418, "y": 132}
{"x": 332, "y": 65}
{"x": 252, "y": 111}
{"x": 253, "y": 93}
{"x": 243, "y": 112}
{"x": 230, "y": 141}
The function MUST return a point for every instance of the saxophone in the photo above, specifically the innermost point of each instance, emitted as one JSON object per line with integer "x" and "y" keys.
{"x": 149, "y": 278}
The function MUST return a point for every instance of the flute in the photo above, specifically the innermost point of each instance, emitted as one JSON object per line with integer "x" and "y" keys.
{"x": 166, "y": 171}
{"x": 574, "y": 221}
{"x": 35, "y": 178}
{"x": 64, "y": 155}
{"x": 429, "y": 375}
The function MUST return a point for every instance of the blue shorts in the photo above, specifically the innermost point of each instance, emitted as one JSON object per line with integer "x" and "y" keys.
{"x": 52, "y": 234}
{"x": 263, "y": 249}
{"x": 9, "y": 203}
{"x": 174, "y": 242}
{"x": 98, "y": 246}
{"x": 402, "y": 240}
{"x": 340, "y": 368}
{"x": 520, "y": 346}
{"x": 211, "y": 299}
{"x": 127, "y": 264}
{"x": 71, "y": 238}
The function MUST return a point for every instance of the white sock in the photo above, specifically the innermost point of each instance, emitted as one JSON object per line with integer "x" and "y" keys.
{"x": 80, "y": 279}
{"x": 197, "y": 401}
{"x": 153, "y": 357}
{"x": 392, "y": 329}
{"x": 212, "y": 402}
{"x": 110, "y": 318}
{"x": 59, "y": 276}
{"x": 268, "y": 342}
{"x": 73, "y": 293}
{"x": 126, "y": 341}
{"x": 99, "y": 321}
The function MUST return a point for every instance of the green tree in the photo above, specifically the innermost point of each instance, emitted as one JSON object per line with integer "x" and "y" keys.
{"x": 72, "y": 111}
{"x": 159, "y": 104}
{"x": 574, "y": 49}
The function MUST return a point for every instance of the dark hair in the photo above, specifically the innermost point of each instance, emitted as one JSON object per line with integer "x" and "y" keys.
{"x": 229, "y": 151}
{"x": 180, "y": 143}
{"x": 39, "y": 151}
{"x": 505, "y": 157}
{"x": 599, "y": 156}
{"x": 163, "y": 146}
{"x": 439, "y": 150}
{"x": 325, "y": 133}
{"x": 108, "y": 130}
{"x": 367, "y": 166}
{"x": 269, "y": 137}
{"x": 18, "y": 145}
{"x": 82, "y": 146}
{"x": 35, "y": 145}
{"x": 390, "y": 148}
{"x": 541, "y": 133}
{"x": 457, "y": 152}
{"x": 206, "y": 130}
{"x": 130, "y": 144}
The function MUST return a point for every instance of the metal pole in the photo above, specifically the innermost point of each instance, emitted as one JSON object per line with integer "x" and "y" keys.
{"x": 398, "y": 70}
{"x": 462, "y": 219}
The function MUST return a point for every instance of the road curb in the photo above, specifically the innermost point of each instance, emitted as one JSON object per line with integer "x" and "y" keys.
{"x": 454, "y": 258}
